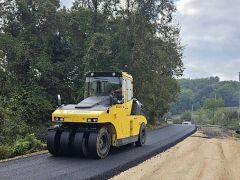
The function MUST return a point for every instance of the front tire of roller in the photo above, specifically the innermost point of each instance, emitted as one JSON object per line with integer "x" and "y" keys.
{"x": 65, "y": 143}
{"x": 79, "y": 144}
{"x": 99, "y": 143}
{"x": 53, "y": 142}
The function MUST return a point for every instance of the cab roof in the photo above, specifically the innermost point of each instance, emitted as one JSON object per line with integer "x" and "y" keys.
{"x": 108, "y": 74}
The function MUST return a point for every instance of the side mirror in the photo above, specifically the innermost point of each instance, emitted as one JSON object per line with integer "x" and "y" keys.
{"x": 59, "y": 101}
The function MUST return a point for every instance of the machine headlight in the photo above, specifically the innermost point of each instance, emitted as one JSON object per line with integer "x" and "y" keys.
{"x": 58, "y": 118}
{"x": 92, "y": 119}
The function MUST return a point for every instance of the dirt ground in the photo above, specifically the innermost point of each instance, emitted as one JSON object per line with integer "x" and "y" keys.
{"x": 197, "y": 157}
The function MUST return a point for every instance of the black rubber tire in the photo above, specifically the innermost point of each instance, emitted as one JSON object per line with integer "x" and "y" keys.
{"x": 85, "y": 144}
{"x": 65, "y": 143}
{"x": 79, "y": 145}
{"x": 53, "y": 142}
{"x": 142, "y": 135}
{"x": 99, "y": 143}
{"x": 92, "y": 145}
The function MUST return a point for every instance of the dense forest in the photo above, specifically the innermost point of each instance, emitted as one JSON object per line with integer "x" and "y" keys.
{"x": 46, "y": 49}
{"x": 195, "y": 92}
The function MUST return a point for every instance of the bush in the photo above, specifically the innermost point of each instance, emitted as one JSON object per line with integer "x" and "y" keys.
{"x": 40, "y": 131}
{"x": 177, "y": 121}
{"x": 27, "y": 145}
{"x": 5, "y": 152}
{"x": 186, "y": 116}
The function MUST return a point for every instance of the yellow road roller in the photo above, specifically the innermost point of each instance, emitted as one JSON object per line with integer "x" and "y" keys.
{"x": 108, "y": 116}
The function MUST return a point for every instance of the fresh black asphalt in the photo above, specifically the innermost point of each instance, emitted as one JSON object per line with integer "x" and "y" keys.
{"x": 46, "y": 166}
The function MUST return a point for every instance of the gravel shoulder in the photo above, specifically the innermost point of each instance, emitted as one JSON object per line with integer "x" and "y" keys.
{"x": 197, "y": 157}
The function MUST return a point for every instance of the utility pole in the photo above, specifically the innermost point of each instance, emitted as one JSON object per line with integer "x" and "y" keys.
{"x": 192, "y": 114}
{"x": 239, "y": 96}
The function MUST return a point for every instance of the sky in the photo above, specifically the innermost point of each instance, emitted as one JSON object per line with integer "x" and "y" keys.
{"x": 210, "y": 35}
{"x": 67, "y": 3}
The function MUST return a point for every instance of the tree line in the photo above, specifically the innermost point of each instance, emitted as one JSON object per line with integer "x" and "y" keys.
{"x": 198, "y": 93}
{"x": 46, "y": 49}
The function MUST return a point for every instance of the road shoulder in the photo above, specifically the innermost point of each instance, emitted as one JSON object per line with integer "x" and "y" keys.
{"x": 197, "y": 157}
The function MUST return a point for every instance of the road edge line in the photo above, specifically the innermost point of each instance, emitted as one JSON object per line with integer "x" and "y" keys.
{"x": 24, "y": 156}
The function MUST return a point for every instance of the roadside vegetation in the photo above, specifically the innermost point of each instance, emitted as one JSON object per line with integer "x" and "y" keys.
{"x": 46, "y": 49}
{"x": 21, "y": 145}
{"x": 195, "y": 92}
{"x": 208, "y": 101}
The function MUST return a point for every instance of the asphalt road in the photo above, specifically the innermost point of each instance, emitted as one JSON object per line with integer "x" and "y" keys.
{"x": 46, "y": 166}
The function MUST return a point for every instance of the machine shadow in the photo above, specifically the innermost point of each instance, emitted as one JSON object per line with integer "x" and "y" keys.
{"x": 114, "y": 151}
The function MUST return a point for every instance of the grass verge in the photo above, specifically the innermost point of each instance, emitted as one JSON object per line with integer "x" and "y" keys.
{"x": 22, "y": 145}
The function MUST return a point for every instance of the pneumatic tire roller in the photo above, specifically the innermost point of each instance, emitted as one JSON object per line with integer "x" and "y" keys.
{"x": 108, "y": 116}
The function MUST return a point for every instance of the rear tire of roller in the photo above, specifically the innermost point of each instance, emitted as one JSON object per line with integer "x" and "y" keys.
{"x": 142, "y": 135}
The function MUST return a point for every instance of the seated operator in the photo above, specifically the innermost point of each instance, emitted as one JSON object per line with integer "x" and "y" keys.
{"x": 117, "y": 94}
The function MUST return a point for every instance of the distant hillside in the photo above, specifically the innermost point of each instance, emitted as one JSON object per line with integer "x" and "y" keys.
{"x": 195, "y": 91}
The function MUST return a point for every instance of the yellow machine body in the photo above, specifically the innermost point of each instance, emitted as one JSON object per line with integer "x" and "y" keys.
{"x": 119, "y": 116}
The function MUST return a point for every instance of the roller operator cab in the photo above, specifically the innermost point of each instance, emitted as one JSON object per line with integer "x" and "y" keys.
{"x": 108, "y": 116}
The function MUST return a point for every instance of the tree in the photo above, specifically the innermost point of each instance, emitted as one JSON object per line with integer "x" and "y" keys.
{"x": 186, "y": 116}
{"x": 99, "y": 54}
{"x": 25, "y": 30}
{"x": 46, "y": 50}
{"x": 212, "y": 104}
{"x": 196, "y": 91}
{"x": 156, "y": 54}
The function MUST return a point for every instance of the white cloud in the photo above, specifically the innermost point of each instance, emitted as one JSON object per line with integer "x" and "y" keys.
{"x": 211, "y": 35}
{"x": 202, "y": 68}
